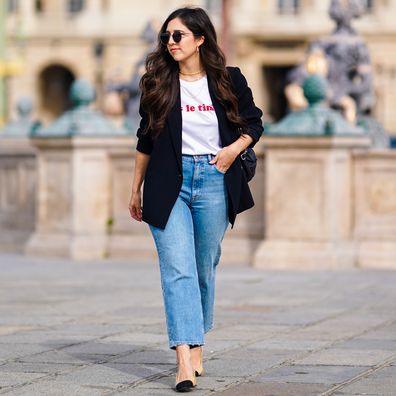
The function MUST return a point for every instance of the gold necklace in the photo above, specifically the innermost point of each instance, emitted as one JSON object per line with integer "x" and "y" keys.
{"x": 196, "y": 96}
{"x": 195, "y": 79}
{"x": 190, "y": 74}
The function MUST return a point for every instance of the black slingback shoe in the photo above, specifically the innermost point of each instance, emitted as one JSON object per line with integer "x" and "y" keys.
{"x": 186, "y": 385}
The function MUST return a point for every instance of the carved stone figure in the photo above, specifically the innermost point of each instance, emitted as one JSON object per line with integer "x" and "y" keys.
{"x": 81, "y": 120}
{"x": 348, "y": 69}
{"x": 317, "y": 119}
{"x": 343, "y": 59}
{"x": 24, "y": 124}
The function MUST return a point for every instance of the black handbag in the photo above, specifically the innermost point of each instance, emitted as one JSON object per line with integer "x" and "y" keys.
{"x": 249, "y": 162}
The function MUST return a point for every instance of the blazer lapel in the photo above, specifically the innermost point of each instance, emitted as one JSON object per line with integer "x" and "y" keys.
{"x": 220, "y": 113}
{"x": 174, "y": 121}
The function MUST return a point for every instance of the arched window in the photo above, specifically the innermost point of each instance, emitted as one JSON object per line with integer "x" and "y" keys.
{"x": 39, "y": 6}
{"x": 369, "y": 5}
{"x": 75, "y": 6}
{"x": 54, "y": 85}
{"x": 288, "y": 6}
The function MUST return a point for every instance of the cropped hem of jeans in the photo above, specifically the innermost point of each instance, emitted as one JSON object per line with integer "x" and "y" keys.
{"x": 174, "y": 344}
{"x": 208, "y": 329}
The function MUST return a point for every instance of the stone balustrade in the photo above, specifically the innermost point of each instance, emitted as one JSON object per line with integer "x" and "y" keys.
{"x": 326, "y": 202}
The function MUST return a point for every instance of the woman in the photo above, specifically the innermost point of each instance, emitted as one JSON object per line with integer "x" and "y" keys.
{"x": 193, "y": 110}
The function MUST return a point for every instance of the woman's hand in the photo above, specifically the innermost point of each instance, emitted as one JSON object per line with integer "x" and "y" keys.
{"x": 224, "y": 158}
{"x": 135, "y": 203}
{"x": 135, "y": 206}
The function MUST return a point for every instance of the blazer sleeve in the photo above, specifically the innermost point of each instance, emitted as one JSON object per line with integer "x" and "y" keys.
{"x": 145, "y": 141}
{"x": 247, "y": 108}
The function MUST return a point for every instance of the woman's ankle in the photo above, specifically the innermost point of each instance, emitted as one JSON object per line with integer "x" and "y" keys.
{"x": 196, "y": 355}
{"x": 183, "y": 356}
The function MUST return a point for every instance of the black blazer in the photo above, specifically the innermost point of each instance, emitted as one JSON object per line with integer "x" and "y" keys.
{"x": 163, "y": 178}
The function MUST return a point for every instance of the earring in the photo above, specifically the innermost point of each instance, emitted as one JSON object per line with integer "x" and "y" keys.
{"x": 197, "y": 48}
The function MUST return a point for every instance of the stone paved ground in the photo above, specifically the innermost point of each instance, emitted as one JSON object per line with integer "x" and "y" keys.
{"x": 97, "y": 328}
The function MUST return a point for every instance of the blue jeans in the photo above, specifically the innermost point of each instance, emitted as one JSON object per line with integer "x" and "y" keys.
{"x": 189, "y": 251}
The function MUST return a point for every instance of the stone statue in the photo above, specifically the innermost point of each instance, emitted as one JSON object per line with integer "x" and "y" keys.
{"x": 317, "y": 119}
{"x": 81, "y": 120}
{"x": 23, "y": 125}
{"x": 343, "y": 59}
{"x": 130, "y": 91}
{"x": 348, "y": 69}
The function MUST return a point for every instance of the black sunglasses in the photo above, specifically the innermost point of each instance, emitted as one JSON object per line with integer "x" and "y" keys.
{"x": 177, "y": 35}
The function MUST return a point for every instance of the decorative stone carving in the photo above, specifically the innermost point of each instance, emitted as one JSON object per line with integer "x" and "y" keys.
{"x": 81, "y": 120}
{"x": 23, "y": 125}
{"x": 344, "y": 60}
{"x": 317, "y": 118}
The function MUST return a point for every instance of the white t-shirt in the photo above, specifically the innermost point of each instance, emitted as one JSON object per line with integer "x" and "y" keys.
{"x": 200, "y": 128}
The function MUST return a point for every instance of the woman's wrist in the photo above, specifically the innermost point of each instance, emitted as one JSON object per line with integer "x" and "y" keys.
{"x": 241, "y": 144}
{"x": 246, "y": 141}
{"x": 235, "y": 149}
{"x": 136, "y": 190}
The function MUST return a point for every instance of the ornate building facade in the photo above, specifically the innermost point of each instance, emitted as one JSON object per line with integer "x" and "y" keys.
{"x": 56, "y": 41}
{"x": 327, "y": 202}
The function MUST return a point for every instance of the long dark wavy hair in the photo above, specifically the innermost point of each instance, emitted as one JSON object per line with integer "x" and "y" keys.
{"x": 159, "y": 84}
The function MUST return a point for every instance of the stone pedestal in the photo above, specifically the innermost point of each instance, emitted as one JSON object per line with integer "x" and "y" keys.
{"x": 74, "y": 196}
{"x": 308, "y": 202}
{"x": 375, "y": 208}
{"x": 17, "y": 192}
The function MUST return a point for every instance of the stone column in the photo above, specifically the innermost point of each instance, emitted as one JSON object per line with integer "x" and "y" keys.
{"x": 74, "y": 183}
{"x": 307, "y": 205}
{"x": 375, "y": 208}
{"x": 74, "y": 196}
{"x": 17, "y": 192}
